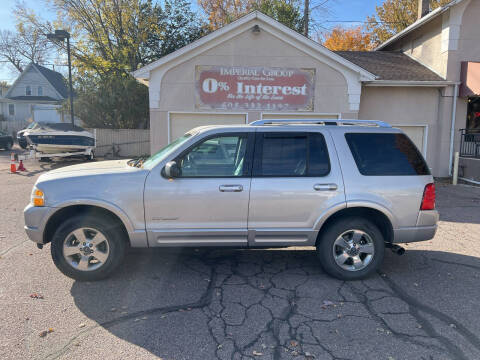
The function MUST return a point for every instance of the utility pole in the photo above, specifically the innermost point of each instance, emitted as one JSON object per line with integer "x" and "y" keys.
{"x": 306, "y": 16}
{"x": 61, "y": 35}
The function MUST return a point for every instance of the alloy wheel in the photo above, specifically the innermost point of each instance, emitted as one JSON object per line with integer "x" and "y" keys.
{"x": 86, "y": 249}
{"x": 353, "y": 250}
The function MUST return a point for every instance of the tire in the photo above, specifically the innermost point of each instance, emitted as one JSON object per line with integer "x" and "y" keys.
{"x": 332, "y": 251}
{"x": 110, "y": 251}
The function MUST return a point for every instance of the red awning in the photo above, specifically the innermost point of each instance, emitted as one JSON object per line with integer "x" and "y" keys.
{"x": 470, "y": 77}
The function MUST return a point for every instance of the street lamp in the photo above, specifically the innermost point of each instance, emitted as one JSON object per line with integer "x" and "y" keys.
{"x": 61, "y": 35}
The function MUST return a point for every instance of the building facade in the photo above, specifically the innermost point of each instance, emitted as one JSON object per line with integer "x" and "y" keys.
{"x": 256, "y": 68}
{"x": 36, "y": 95}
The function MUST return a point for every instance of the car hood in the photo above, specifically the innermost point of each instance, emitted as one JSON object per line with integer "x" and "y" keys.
{"x": 89, "y": 169}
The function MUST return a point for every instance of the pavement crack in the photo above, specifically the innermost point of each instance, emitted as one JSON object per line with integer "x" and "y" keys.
{"x": 416, "y": 307}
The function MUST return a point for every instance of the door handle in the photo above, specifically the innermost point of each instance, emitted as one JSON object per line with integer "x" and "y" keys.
{"x": 230, "y": 188}
{"x": 325, "y": 187}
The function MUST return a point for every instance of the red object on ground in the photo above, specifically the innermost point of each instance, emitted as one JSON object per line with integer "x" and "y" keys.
{"x": 21, "y": 167}
{"x": 428, "y": 201}
{"x": 13, "y": 167}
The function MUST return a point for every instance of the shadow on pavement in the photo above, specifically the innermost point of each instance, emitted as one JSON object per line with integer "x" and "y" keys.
{"x": 209, "y": 303}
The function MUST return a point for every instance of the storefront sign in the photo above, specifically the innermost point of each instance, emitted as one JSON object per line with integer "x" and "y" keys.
{"x": 254, "y": 88}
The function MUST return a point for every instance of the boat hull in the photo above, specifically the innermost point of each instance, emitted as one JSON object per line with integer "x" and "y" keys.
{"x": 48, "y": 143}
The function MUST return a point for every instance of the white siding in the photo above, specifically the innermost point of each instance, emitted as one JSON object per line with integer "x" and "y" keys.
{"x": 34, "y": 79}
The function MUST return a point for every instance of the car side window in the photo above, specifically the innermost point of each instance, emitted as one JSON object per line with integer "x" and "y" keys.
{"x": 290, "y": 154}
{"x": 221, "y": 156}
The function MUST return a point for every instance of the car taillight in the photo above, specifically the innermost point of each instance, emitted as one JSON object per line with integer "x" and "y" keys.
{"x": 428, "y": 201}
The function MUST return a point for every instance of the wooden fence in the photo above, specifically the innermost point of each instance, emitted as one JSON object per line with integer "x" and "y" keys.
{"x": 115, "y": 143}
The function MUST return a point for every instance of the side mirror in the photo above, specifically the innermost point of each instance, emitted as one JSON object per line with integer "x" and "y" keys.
{"x": 172, "y": 170}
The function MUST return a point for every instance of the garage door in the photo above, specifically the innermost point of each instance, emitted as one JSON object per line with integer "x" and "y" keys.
{"x": 180, "y": 123}
{"x": 416, "y": 134}
{"x": 267, "y": 116}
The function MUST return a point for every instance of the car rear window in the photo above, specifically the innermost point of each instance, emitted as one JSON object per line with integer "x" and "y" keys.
{"x": 386, "y": 154}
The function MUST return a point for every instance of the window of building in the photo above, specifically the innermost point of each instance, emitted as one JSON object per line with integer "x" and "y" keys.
{"x": 473, "y": 113}
{"x": 40, "y": 91}
{"x": 11, "y": 109}
{"x": 386, "y": 154}
{"x": 28, "y": 90}
{"x": 291, "y": 154}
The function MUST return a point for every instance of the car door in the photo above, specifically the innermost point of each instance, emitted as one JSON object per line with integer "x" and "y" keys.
{"x": 207, "y": 204}
{"x": 296, "y": 180}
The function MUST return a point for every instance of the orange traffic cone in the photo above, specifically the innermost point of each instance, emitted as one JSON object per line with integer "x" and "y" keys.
{"x": 21, "y": 167}
{"x": 13, "y": 167}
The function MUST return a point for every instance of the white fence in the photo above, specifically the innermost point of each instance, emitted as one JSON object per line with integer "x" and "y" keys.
{"x": 122, "y": 142}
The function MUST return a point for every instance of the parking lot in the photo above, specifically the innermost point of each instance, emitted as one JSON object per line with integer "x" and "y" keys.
{"x": 242, "y": 304}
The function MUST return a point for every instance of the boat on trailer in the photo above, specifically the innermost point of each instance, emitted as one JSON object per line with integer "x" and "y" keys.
{"x": 52, "y": 138}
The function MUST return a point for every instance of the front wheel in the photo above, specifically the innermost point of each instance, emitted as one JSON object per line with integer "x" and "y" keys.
{"x": 88, "y": 248}
{"x": 351, "y": 248}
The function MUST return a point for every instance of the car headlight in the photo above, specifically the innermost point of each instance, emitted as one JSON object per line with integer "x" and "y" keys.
{"x": 38, "y": 197}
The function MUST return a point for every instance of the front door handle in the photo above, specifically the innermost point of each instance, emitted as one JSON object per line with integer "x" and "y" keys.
{"x": 230, "y": 188}
{"x": 325, "y": 187}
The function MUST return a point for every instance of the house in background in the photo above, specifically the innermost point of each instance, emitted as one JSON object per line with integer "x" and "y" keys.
{"x": 36, "y": 95}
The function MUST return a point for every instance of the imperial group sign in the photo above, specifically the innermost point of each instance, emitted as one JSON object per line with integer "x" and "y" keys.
{"x": 254, "y": 88}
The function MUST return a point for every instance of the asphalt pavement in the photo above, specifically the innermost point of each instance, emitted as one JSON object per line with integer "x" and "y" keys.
{"x": 242, "y": 304}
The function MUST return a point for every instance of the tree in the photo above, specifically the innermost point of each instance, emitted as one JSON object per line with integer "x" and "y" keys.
{"x": 223, "y": 12}
{"x": 23, "y": 47}
{"x": 110, "y": 39}
{"x": 286, "y": 12}
{"x": 341, "y": 39}
{"x": 116, "y": 102}
{"x": 118, "y": 36}
{"x": 395, "y": 15}
{"x": 178, "y": 26}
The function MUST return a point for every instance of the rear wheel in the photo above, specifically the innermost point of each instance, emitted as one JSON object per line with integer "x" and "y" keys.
{"x": 351, "y": 248}
{"x": 88, "y": 248}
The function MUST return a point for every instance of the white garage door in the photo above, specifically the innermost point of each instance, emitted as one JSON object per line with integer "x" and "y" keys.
{"x": 180, "y": 123}
{"x": 266, "y": 116}
{"x": 416, "y": 134}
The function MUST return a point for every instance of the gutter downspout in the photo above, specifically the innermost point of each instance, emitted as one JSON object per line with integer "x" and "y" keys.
{"x": 452, "y": 129}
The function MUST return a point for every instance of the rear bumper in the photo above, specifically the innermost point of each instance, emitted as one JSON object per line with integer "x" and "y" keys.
{"x": 35, "y": 221}
{"x": 413, "y": 234}
{"x": 425, "y": 229}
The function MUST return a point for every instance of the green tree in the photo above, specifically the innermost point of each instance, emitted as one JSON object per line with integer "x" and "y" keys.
{"x": 178, "y": 26}
{"x": 222, "y": 12}
{"x": 286, "y": 12}
{"x": 110, "y": 39}
{"x": 116, "y": 102}
{"x": 395, "y": 15}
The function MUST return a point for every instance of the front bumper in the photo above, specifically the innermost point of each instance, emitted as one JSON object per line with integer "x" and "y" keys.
{"x": 35, "y": 220}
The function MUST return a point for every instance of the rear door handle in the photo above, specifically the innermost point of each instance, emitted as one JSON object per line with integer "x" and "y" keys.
{"x": 325, "y": 187}
{"x": 230, "y": 188}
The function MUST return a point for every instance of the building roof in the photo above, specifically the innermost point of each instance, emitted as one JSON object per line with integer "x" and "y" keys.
{"x": 391, "y": 65}
{"x": 55, "y": 78}
{"x": 427, "y": 18}
{"x": 33, "y": 98}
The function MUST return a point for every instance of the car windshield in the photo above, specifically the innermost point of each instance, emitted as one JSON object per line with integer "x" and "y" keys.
{"x": 160, "y": 155}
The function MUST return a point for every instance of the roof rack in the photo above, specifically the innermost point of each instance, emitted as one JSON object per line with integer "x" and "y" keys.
{"x": 337, "y": 122}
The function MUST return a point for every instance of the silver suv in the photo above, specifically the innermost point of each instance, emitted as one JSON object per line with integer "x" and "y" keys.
{"x": 349, "y": 188}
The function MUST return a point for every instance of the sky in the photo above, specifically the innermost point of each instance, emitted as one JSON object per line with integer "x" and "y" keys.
{"x": 338, "y": 12}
